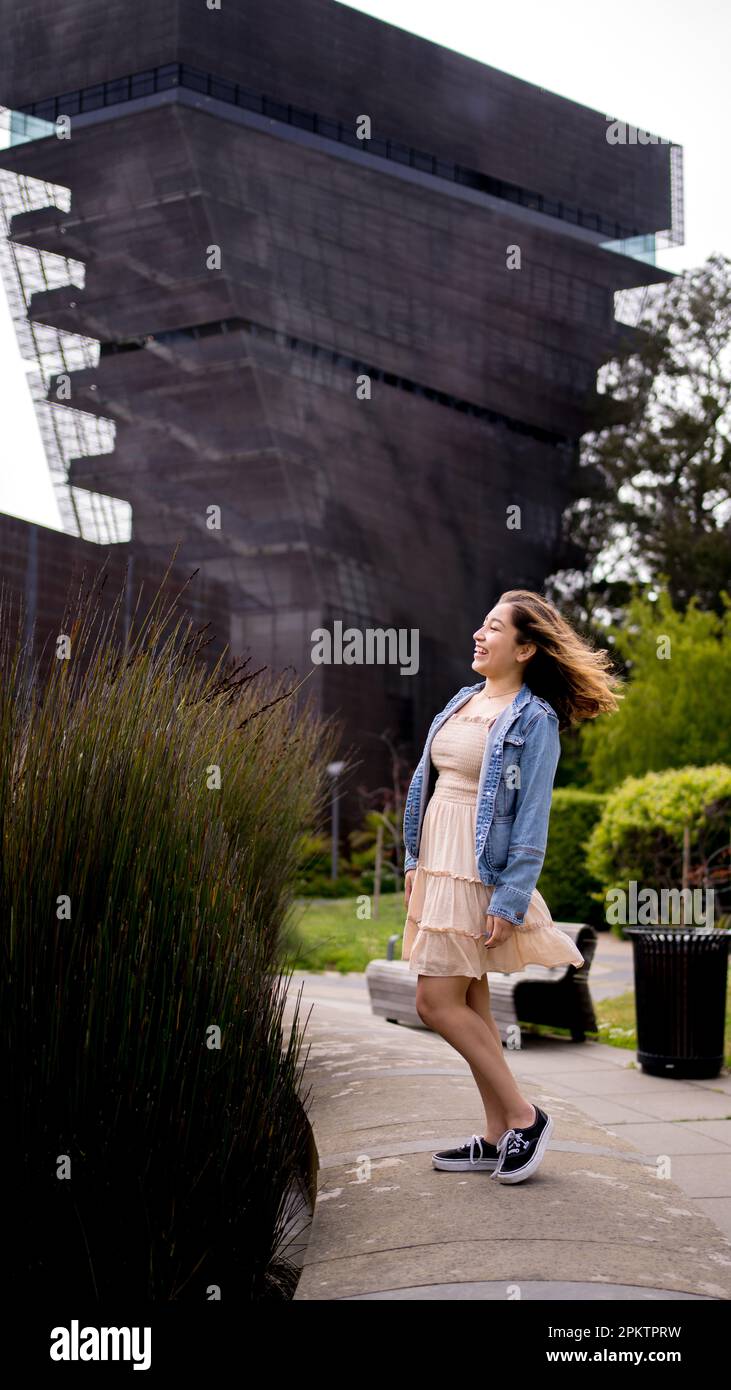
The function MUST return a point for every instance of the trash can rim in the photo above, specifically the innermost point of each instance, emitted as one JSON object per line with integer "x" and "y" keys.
{"x": 680, "y": 932}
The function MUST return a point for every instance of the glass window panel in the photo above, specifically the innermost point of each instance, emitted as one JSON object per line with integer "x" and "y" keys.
{"x": 423, "y": 161}
{"x": 116, "y": 91}
{"x": 69, "y": 103}
{"x": 276, "y": 109}
{"x": 142, "y": 84}
{"x": 223, "y": 90}
{"x": 250, "y": 101}
{"x": 304, "y": 120}
{"x": 193, "y": 78}
{"x": 331, "y": 129}
{"x": 92, "y": 98}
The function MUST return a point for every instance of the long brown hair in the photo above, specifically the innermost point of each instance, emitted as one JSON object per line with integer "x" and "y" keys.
{"x": 575, "y": 678}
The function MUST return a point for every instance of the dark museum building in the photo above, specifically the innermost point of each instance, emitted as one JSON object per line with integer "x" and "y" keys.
{"x": 366, "y": 352}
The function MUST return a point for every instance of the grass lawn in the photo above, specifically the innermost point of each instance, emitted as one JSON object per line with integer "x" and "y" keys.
{"x": 328, "y": 934}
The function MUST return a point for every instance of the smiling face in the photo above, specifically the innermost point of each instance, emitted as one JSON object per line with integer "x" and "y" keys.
{"x": 497, "y": 655}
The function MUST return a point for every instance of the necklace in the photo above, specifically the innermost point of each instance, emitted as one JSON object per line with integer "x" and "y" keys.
{"x": 501, "y": 696}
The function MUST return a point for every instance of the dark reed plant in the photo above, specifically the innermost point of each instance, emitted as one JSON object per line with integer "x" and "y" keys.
{"x": 143, "y": 908}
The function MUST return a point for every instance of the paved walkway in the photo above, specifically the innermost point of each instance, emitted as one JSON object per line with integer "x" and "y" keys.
{"x": 632, "y": 1201}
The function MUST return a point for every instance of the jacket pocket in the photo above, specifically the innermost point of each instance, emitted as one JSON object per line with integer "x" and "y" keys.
{"x": 497, "y": 844}
{"x": 507, "y": 795}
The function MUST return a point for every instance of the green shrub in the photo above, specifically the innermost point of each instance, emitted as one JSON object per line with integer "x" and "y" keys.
{"x": 323, "y": 886}
{"x": 144, "y": 908}
{"x": 640, "y": 834}
{"x": 390, "y": 881}
{"x": 566, "y": 883}
{"x": 388, "y": 825}
{"x": 314, "y": 878}
{"x": 314, "y": 856}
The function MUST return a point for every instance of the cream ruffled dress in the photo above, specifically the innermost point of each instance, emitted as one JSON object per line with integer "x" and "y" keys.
{"x": 446, "y": 927}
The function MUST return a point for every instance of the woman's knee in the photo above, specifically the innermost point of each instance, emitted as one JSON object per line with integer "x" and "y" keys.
{"x": 436, "y": 993}
{"x": 424, "y": 1003}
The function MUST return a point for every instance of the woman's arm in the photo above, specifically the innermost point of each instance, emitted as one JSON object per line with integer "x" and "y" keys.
{"x": 529, "y": 834}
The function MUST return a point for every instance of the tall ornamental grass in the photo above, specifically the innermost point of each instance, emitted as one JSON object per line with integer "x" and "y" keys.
{"x": 151, "y": 810}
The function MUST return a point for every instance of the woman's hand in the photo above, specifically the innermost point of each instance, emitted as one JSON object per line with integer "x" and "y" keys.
{"x": 408, "y": 884}
{"x": 498, "y": 929}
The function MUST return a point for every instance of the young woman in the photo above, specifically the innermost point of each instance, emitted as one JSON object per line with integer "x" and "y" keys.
{"x": 474, "y": 853}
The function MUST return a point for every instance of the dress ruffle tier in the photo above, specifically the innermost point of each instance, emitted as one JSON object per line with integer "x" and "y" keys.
{"x": 446, "y": 929}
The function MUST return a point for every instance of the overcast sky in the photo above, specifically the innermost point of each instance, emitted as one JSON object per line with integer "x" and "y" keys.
{"x": 660, "y": 64}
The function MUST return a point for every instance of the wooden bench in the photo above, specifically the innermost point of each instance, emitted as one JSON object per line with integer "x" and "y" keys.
{"x": 555, "y": 995}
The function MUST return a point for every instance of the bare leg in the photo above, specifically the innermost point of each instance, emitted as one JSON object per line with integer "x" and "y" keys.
{"x": 441, "y": 1003}
{"x": 478, "y": 998}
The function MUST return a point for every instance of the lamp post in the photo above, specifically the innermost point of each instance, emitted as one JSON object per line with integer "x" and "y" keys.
{"x": 334, "y": 771}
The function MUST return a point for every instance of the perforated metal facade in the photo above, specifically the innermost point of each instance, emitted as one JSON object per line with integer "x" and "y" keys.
{"x": 236, "y": 385}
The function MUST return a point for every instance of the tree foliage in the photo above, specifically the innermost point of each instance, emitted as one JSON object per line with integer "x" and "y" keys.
{"x": 675, "y": 707}
{"x": 653, "y": 492}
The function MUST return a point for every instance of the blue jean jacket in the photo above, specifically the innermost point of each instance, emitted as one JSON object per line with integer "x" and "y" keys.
{"x": 511, "y": 825}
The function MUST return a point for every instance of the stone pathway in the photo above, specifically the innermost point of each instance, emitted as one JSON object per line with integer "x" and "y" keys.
{"x": 632, "y": 1201}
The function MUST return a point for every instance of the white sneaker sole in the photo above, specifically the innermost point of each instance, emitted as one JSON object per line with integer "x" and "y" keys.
{"x": 521, "y": 1173}
{"x": 463, "y": 1165}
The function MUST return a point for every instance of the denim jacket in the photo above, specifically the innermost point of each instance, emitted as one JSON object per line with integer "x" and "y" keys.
{"x": 511, "y": 825}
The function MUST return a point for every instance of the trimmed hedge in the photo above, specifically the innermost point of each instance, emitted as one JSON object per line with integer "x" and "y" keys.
{"x": 640, "y": 834}
{"x": 570, "y": 889}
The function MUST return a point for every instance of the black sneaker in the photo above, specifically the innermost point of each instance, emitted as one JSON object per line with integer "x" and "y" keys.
{"x": 474, "y": 1156}
{"x": 521, "y": 1150}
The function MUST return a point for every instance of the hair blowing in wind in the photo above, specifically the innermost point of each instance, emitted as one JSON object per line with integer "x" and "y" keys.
{"x": 575, "y": 678}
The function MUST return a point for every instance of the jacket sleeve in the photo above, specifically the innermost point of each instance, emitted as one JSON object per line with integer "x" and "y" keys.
{"x": 529, "y": 834}
{"x": 410, "y": 860}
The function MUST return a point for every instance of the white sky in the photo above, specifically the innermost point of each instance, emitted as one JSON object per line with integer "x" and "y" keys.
{"x": 660, "y": 64}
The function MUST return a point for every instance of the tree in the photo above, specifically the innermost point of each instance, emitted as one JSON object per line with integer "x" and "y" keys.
{"x": 384, "y": 812}
{"x": 674, "y": 711}
{"x": 654, "y": 483}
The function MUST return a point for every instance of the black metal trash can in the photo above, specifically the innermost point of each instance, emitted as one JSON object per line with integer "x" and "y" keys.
{"x": 680, "y": 999}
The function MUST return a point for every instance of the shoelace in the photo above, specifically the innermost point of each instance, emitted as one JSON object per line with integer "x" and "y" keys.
{"x": 512, "y": 1142}
{"x": 470, "y": 1144}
